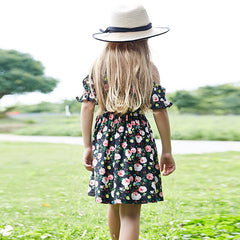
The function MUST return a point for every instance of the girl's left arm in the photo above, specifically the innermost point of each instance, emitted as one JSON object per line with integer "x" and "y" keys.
{"x": 87, "y": 111}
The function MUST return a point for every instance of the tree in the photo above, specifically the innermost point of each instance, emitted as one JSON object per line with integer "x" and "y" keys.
{"x": 20, "y": 73}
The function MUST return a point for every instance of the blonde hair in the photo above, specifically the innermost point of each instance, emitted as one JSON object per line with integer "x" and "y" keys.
{"x": 123, "y": 77}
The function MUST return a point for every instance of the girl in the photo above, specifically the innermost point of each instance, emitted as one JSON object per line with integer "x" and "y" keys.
{"x": 122, "y": 154}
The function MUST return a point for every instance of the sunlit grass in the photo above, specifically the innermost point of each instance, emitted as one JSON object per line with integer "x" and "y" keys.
{"x": 43, "y": 195}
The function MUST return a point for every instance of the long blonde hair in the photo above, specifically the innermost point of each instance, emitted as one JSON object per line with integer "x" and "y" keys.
{"x": 123, "y": 77}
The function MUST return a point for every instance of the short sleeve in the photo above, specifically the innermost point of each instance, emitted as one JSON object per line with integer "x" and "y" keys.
{"x": 89, "y": 93}
{"x": 158, "y": 98}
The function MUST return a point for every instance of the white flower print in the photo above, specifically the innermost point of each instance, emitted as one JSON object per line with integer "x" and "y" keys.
{"x": 117, "y": 201}
{"x": 156, "y": 179}
{"x": 121, "y": 173}
{"x": 133, "y": 150}
{"x": 105, "y": 128}
{"x": 117, "y": 135}
{"x": 128, "y": 153}
{"x": 94, "y": 162}
{"x": 98, "y": 200}
{"x": 138, "y": 138}
{"x": 137, "y": 167}
{"x": 99, "y": 135}
{"x": 105, "y": 143}
{"x": 102, "y": 171}
{"x": 125, "y": 182}
{"x": 143, "y": 160}
{"x": 121, "y": 129}
{"x": 135, "y": 196}
{"x": 124, "y": 144}
{"x": 138, "y": 179}
{"x": 154, "y": 185}
{"x": 155, "y": 97}
{"x": 105, "y": 180}
{"x": 112, "y": 193}
{"x": 92, "y": 183}
{"x": 117, "y": 156}
{"x": 142, "y": 189}
{"x": 142, "y": 132}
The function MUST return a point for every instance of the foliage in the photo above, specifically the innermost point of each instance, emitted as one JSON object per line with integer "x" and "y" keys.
{"x": 221, "y": 99}
{"x": 44, "y": 196}
{"x": 20, "y": 73}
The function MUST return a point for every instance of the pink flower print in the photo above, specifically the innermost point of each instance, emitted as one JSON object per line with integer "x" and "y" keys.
{"x": 131, "y": 178}
{"x": 121, "y": 129}
{"x": 150, "y": 176}
{"x": 137, "y": 167}
{"x": 112, "y": 148}
{"x": 125, "y": 182}
{"x": 135, "y": 196}
{"x": 99, "y": 155}
{"x": 142, "y": 189}
{"x": 102, "y": 171}
{"x": 160, "y": 194}
{"x": 105, "y": 143}
{"x": 121, "y": 173}
{"x": 129, "y": 125}
{"x": 138, "y": 179}
{"x": 124, "y": 144}
{"x": 133, "y": 123}
{"x": 93, "y": 147}
{"x": 148, "y": 148}
{"x": 143, "y": 160}
{"x": 98, "y": 200}
{"x": 111, "y": 116}
{"x": 106, "y": 86}
{"x": 146, "y": 129}
{"x": 133, "y": 150}
{"x": 99, "y": 135}
{"x": 117, "y": 156}
{"x": 157, "y": 166}
{"x": 117, "y": 201}
{"x": 139, "y": 150}
{"x": 110, "y": 177}
{"x": 108, "y": 151}
{"x": 155, "y": 97}
{"x": 128, "y": 153}
{"x": 138, "y": 138}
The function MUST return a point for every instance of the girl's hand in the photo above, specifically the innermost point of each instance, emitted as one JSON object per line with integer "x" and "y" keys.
{"x": 88, "y": 158}
{"x": 167, "y": 164}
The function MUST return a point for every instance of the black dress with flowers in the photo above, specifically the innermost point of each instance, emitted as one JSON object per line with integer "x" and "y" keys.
{"x": 125, "y": 158}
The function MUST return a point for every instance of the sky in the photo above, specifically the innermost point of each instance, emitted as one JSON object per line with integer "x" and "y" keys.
{"x": 201, "y": 48}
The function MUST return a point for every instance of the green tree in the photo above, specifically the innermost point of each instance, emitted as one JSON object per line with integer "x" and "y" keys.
{"x": 20, "y": 73}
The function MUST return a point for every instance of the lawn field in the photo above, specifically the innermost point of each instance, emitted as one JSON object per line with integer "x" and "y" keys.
{"x": 183, "y": 126}
{"x": 43, "y": 195}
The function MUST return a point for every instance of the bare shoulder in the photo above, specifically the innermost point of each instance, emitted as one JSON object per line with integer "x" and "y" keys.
{"x": 156, "y": 75}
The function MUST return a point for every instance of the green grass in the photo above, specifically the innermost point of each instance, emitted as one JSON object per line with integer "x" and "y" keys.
{"x": 43, "y": 195}
{"x": 183, "y": 126}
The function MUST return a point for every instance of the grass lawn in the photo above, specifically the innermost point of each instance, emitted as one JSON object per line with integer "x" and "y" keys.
{"x": 183, "y": 126}
{"x": 43, "y": 196}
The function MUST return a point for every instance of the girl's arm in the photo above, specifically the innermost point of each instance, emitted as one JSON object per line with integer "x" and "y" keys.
{"x": 167, "y": 163}
{"x": 87, "y": 111}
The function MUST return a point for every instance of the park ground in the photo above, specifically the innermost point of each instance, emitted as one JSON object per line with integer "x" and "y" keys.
{"x": 43, "y": 195}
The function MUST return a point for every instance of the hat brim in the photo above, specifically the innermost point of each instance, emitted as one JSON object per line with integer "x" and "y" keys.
{"x": 130, "y": 36}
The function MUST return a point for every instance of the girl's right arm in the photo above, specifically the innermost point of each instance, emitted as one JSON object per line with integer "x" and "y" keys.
{"x": 167, "y": 163}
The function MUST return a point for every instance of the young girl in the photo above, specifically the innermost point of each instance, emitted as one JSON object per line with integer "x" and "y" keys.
{"x": 122, "y": 154}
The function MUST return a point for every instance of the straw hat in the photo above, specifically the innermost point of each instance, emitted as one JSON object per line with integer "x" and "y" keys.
{"x": 129, "y": 23}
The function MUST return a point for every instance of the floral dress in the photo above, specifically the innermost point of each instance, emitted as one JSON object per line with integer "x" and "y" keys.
{"x": 125, "y": 158}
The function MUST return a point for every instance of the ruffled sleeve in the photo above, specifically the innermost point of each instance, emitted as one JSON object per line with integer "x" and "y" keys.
{"x": 89, "y": 93}
{"x": 158, "y": 99}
